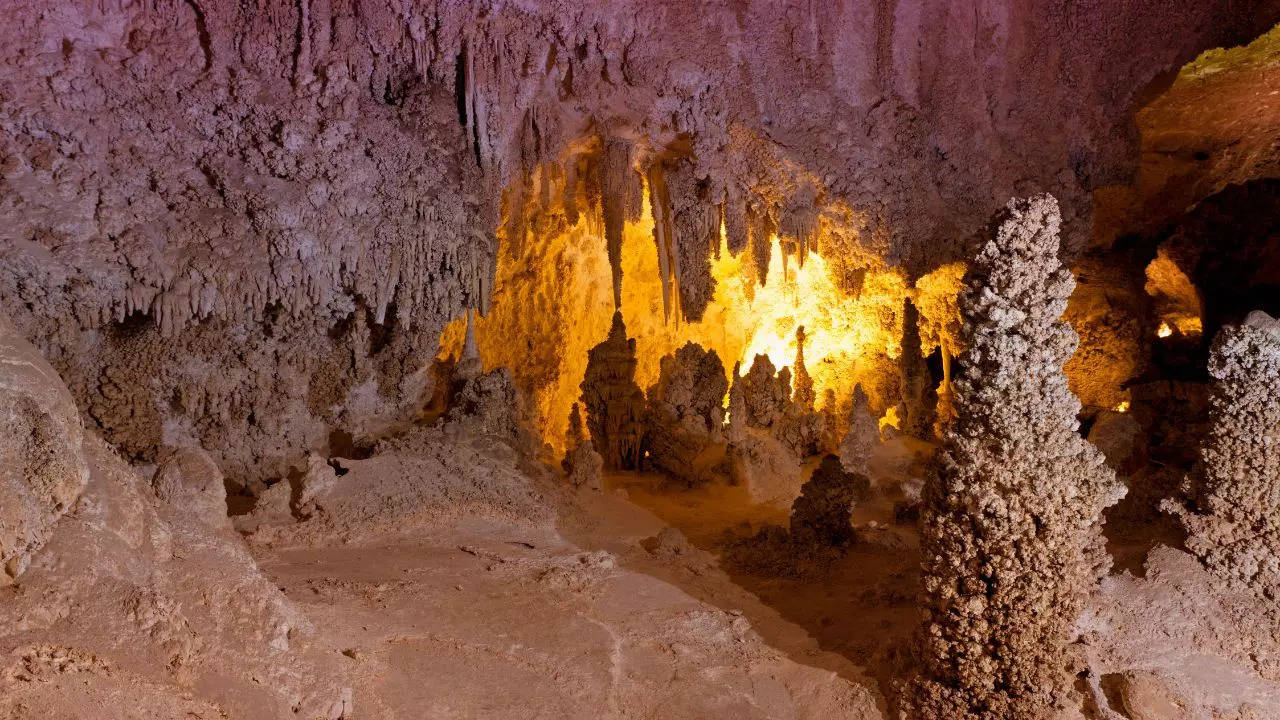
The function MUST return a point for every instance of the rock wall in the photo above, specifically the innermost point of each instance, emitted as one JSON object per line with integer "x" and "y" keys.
{"x": 42, "y": 464}
{"x": 135, "y": 598}
{"x": 200, "y": 200}
{"x": 1011, "y": 522}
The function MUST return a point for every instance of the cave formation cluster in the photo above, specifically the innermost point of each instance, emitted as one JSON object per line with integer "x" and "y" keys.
{"x": 311, "y": 277}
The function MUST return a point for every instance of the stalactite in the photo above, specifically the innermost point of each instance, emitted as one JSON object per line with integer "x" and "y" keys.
{"x": 695, "y": 223}
{"x": 615, "y": 190}
{"x": 469, "y": 365}
{"x": 735, "y": 221}
{"x": 569, "y": 198}
{"x": 668, "y": 262}
{"x": 760, "y": 234}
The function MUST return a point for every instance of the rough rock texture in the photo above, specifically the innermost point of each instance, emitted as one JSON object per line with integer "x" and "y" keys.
{"x": 862, "y": 437}
{"x": 211, "y": 184}
{"x": 1011, "y": 521}
{"x": 42, "y": 466}
{"x": 686, "y": 414}
{"x": 822, "y": 513}
{"x": 188, "y": 478}
{"x": 582, "y": 464}
{"x": 1235, "y": 525}
{"x": 145, "y": 604}
{"x": 614, "y": 403}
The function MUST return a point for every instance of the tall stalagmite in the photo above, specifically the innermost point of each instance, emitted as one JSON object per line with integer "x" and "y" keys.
{"x": 615, "y": 404}
{"x": 1011, "y": 521}
{"x": 1237, "y": 532}
{"x": 685, "y": 418}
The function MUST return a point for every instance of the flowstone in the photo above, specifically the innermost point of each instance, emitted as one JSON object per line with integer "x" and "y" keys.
{"x": 42, "y": 466}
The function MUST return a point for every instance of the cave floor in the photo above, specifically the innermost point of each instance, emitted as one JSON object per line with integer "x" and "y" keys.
{"x": 574, "y": 621}
{"x": 600, "y": 613}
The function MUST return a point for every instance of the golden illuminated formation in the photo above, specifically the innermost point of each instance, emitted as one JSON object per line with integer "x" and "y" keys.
{"x": 553, "y": 301}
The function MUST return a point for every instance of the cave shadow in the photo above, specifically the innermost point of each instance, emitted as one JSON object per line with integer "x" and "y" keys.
{"x": 856, "y": 604}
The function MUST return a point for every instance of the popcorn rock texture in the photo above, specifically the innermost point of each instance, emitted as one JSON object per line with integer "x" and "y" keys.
{"x": 821, "y": 515}
{"x": 686, "y": 417}
{"x": 1235, "y": 525}
{"x": 1011, "y": 522}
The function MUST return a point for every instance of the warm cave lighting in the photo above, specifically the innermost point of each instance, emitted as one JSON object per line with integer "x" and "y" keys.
{"x": 1164, "y": 330}
{"x": 1122, "y": 406}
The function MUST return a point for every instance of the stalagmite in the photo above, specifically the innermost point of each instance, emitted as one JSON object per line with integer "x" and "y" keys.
{"x": 803, "y": 395}
{"x": 1011, "y": 521}
{"x": 862, "y": 437}
{"x": 770, "y": 433}
{"x": 583, "y": 466}
{"x": 821, "y": 515}
{"x": 615, "y": 404}
{"x": 1234, "y": 525}
{"x": 736, "y": 431}
{"x": 685, "y": 416}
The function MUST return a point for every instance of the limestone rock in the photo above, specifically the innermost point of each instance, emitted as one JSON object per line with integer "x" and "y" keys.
{"x": 821, "y": 515}
{"x": 189, "y": 480}
{"x": 42, "y": 465}
{"x": 686, "y": 415}
{"x": 1011, "y": 520}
